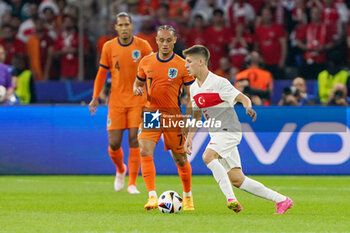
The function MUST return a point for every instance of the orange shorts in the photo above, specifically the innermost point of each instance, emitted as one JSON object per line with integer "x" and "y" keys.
{"x": 124, "y": 118}
{"x": 173, "y": 141}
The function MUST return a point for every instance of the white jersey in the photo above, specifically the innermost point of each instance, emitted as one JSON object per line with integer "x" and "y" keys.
{"x": 216, "y": 98}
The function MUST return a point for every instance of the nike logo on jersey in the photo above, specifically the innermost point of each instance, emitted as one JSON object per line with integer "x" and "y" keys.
{"x": 115, "y": 56}
{"x": 149, "y": 71}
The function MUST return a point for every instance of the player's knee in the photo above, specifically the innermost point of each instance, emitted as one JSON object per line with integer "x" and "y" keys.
{"x": 114, "y": 145}
{"x": 144, "y": 151}
{"x": 180, "y": 161}
{"x": 237, "y": 181}
{"x": 207, "y": 158}
{"x": 133, "y": 142}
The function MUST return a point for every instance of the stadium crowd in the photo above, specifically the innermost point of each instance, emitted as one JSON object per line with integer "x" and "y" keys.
{"x": 252, "y": 42}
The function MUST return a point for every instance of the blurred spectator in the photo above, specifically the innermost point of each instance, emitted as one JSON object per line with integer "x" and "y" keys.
{"x": 226, "y": 69}
{"x": 299, "y": 12}
{"x": 260, "y": 81}
{"x": 62, "y": 6}
{"x": 48, "y": 17}
{"x": 270, "y": 40}
{"x": 148, "y": 7}
{"x": 334, "y": 74}
{"x": 5, "y": 78}
{"x": 25, "y": 83}
{"x": 305, "y": 98}
{"x": 277, "y": 10}
{"x": 204, "y": 8}
{"x": 179, "y": 9}
{"x": 136, "y": 17}
{"x": 18, "y": 8}
{"x": 331, "y": 18}
{"x": 240, "y": 44}
{"x": 6, "y": 18}
{"x": 196, "y": 35}
{"x": 39, "y": 47}
{"x": 15, "y": 23}
{"x": 314, "y": 40}
{"x": 256, "y": 4}
{"x": 254, "y": 94}
{"x": 27, "y": 28}
{"x": 48, "y": 4}
{"x": 339, "y": 97}
{"x": 240, "y": 12}
{"x": 111, "y": 33}
{"x": 148, "y": 33}
{"x": 217, "y": 38}
{"x": 296, "y": 95}
{"x": 11, "y": 44}
{"x": 290, "y": 97}
{"x": 95, "y": 23}
{"x": 4, "y": 7}
{"x": 163, "y": 17}
{"x": 66, "y": 47}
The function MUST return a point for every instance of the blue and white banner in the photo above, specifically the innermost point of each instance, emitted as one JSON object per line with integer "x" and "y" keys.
{"x": 68, "y": 140}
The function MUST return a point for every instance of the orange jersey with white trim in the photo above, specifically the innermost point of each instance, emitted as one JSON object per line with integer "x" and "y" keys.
{"x": 122, "y": 61}
{"x": 164, "y": 80}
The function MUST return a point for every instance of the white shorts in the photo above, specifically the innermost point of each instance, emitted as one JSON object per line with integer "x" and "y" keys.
{"x": 225, "y": 144}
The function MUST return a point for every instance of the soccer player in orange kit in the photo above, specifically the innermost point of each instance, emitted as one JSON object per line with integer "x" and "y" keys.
{"x": 164, "y": 74}
{"x": 121, "y": 57}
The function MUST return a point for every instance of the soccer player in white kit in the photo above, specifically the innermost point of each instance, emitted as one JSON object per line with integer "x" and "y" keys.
{"x": 215, "y": 97}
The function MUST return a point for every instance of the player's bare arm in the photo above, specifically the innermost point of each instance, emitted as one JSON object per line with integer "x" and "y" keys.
{"x": 138, "y": 87}
{"x": 247, "y": 103}
{"x": 197, "y": 115}
{"x": 98, "y": 85}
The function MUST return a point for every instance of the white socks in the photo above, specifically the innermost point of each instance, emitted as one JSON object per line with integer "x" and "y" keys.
{"x": 221, "y": 177}
{"x": 258, "y": 189}
{"x": 152, "y": 193}
{"x": 189, "y": 194}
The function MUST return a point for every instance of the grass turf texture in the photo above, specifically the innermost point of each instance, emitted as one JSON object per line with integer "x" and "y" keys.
{"x": 89, "y": 204}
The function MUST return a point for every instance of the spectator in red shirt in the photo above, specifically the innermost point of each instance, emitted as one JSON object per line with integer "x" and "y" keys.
{"x": 179, "y": 9}
{"x": 331, "y": 18}
{"x": 217, "y": 37}
{"x": 239, "y": 46}
{"x": 239, "y": 11}
{"x": 66, "y": 47}
{"x": 197, "y": 34}
{"x": 148, "y": 7}
{"x": 277, "y": 9}
{"x": 11, "y": 44}
{"x": 270, "y": 40}
{"x": 314, "y": 40}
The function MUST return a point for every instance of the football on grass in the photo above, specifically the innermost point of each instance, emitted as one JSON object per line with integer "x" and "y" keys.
{"x": 170, "y": 202}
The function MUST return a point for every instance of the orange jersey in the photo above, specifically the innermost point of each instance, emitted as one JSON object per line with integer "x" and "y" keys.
{"x": 164, "y": 80}
{"x": 122, "y": 61}
{"x": 258, "y": 78}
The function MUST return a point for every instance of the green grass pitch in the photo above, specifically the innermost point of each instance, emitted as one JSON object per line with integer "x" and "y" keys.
{"x": 89, "y": 204}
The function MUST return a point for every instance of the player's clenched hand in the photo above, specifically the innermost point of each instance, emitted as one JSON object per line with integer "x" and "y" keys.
{"x": 188, "y": 146}
{"x": 251, "y": 112}
{"x": 138, "y": 91}
{"x": 93, "y": 106}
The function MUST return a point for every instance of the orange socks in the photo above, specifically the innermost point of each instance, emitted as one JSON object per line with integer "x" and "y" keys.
{"x": 134, "y": 165}
{"x": 117, "y": 158}
{"x": 185, "y": 173}
{"x": 148, "y": 172}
